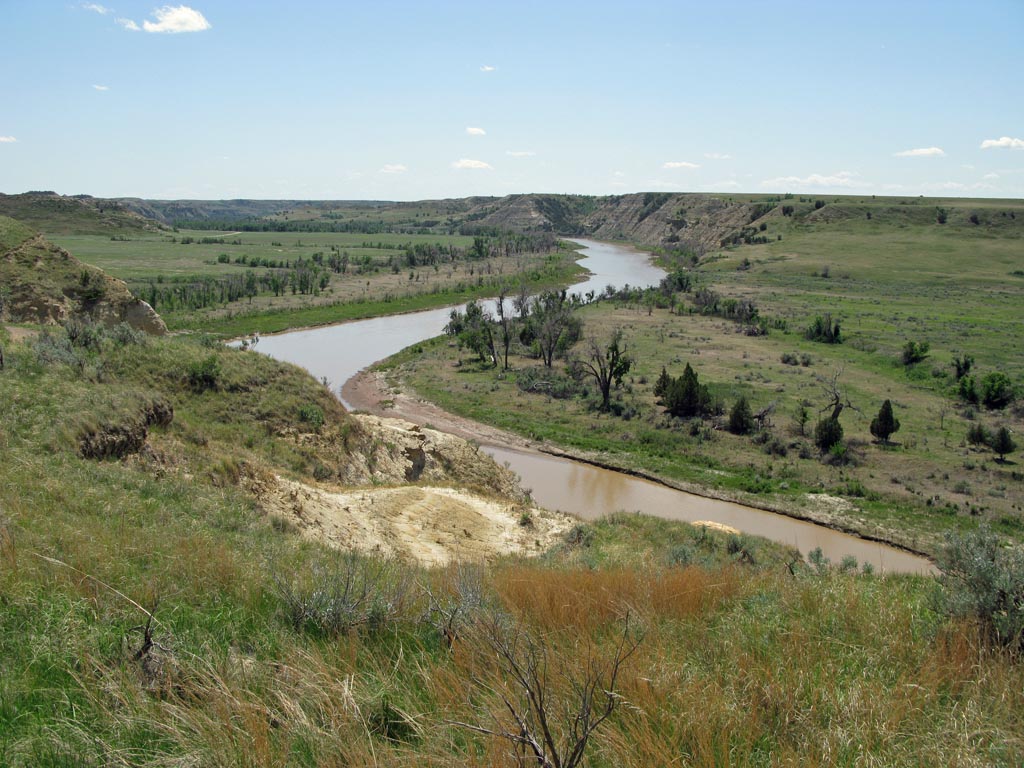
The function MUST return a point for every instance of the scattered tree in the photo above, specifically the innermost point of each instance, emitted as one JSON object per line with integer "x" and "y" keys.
{"x": 824, "y": 330}
{"x": 474, "y": 330}
{"x": 915, "y": 352}
{"x": 662, "y": 384}
{"x": 885, "y": 423}
{"x": 962, "y": 364}
{"x": 552, "y": 326}
{"x": 996, "y": 390}
{"x": 686, "y": 397}
{"x": 741, "y": 420}
{"x": 1002, "y": 443}
{"x": 607, "y": 364}
{"x": 828, "y": 434}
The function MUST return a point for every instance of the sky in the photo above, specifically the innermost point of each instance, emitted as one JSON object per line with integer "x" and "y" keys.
{"x": 392, "y": 100}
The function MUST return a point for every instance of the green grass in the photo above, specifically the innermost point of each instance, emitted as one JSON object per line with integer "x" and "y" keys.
{"x": 890, "y": 279}
{"x": 736, "y": 659}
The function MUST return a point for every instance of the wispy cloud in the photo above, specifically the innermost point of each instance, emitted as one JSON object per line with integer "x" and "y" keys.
{"x": 171, "y": 19}
{"x": 717, "y": 156}
{"x": 841, "y": 179}
{"x": 922, "y": 152}
{"x": 520, "y": 153}
{"x": 990, "y": 176}
{"x": 475, "y": 131}
{"x": 487, "y": 68}
{"x": 475, "y": 165}
{"x": 97, "y": 8}
{"x": 102, "y": 87}
{"x": 393, "y": 168}
{"x": 7, "y": 139}
{"x": 1003, "y": 143}
{"x": 680, "y": 164}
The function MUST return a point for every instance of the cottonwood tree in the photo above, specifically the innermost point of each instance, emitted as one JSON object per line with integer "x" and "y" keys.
{"x": 552, "y": 325}
{"x": 606, "y": 364}
{"x": 474, "y": 330}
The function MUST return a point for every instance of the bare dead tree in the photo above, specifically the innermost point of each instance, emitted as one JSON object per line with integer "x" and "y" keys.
{"x": 545, "y": 731}
{"x": 837, "y": 400}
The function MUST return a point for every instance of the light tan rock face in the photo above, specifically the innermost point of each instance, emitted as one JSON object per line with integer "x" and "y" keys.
{"x": 45, "y": 284}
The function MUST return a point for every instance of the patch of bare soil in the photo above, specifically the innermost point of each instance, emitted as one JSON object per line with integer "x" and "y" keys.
{"x": 430, "y": 525}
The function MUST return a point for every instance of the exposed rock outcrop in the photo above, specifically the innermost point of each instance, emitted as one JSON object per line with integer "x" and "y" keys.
{"x": 44, "y": 283}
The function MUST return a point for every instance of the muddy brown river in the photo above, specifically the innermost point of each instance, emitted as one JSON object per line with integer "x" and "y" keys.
{"x": 339, "y": 352}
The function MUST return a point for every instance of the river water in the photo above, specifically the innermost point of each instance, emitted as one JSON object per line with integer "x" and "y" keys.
{"x": 339, "y": 352}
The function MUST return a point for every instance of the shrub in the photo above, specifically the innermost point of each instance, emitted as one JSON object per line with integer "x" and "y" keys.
{"x": 915, "y": 352}
{"x": 977, "y": 434}
{"x": 996, "y": 390}
{"x": 790, "y": 358}
{"x": 983, "y": 581}
{"x": 204, "y": 374}
{"x": 1002, "y": 443}
{"x": 828, "y": 434}
{"x": 741, "y": 420}
{"x": 312, "y": 415}
{"x": 885, "y": 423}
{"x": 968, "y": 390}
{"x": 824, "y": 330}
{"x": 962, "y": 364}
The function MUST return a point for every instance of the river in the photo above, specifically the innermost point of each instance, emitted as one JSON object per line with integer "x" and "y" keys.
{"x": 338, "y": 352}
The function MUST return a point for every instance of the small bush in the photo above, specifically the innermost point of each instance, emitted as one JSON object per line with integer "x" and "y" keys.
{"x": 824, "y": 330}
{"x": 313, "y": 415}
{"x": 984, "y": 581}
{"x": 828, "y": 434}
{"x": 204, "y": 375}
{"x": 996, "y": 390}
{"x": 914, "y": 352}
{"x": 741, "y": 419}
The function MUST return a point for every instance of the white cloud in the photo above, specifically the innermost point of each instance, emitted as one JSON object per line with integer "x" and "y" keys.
{"x": 393, "y": 168}
{"x": 717, "y": 156}
{"x": 7, "y": 139}
{"x": 841, "y": 179}
{"x": 476, "y": 165}
{"x": 171, "y": 19}
{"x": 990, "y": 176}
{"x": 520, "y": 153}
{"x": 475, "y": 131}
{"x": 96, "y": 8}
{"x": 102, "y": 87}
{"x": 922, "y": 152}
{"x": 1003, "y": 143}
{"x": 680, "y": 164}
{"x": 487, "y": 68}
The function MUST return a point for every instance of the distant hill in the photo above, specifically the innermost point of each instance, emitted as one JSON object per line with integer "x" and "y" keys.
{"x": 43, "y": 283}
{"x": 54, "y": 214}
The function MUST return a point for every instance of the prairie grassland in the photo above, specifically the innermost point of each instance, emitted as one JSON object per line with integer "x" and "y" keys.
{"x": 888, "y": 280}
{"x": 375, "y": 280}
{"x": 244, "y": 663}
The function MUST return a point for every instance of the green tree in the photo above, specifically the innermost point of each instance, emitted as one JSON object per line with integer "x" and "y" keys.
{"x": 885, "y": 423}
{"x": 1002, "y": 443}
{"x": 741, "y": 420}
{"x": 686, "y": 397}
{"x": 473, "y": 329}
{"x": 996, "y": 390}
{"x": 552, "y": 326}
{"x": 915, "y": 352}
{"x": 607, "y": 364}
{"x": 828, "y": 433}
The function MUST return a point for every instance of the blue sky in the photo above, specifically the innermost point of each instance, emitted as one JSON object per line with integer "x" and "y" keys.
{"x": 413, "y": 100}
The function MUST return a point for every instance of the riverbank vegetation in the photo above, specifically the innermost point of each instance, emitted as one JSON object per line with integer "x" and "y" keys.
{"x": 836, "y": 314}
{"x": 153, "y": 615}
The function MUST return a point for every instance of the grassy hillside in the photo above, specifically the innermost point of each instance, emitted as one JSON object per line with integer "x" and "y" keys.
{"x": 152, "y": 616}
{"x": 54, "y": 214}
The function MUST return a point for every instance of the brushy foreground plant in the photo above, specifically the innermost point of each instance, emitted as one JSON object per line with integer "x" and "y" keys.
{"x": 984, "y": 581}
